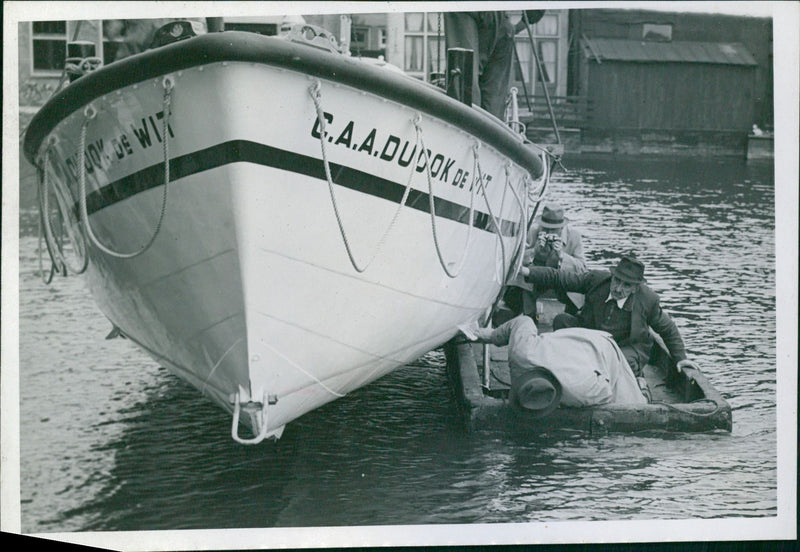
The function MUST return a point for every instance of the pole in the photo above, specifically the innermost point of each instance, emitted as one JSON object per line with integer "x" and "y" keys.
{"x": 541, "y": 77}
{"x": 522, "y": 78}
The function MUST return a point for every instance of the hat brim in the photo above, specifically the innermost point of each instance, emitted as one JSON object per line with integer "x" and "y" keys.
{"x": 626, "y": 278}
{"x": 552, "y": 225}
{"x": 538, "y": 395}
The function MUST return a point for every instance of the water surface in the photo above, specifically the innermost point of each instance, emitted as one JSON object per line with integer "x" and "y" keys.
{"x": 112, "y": 442}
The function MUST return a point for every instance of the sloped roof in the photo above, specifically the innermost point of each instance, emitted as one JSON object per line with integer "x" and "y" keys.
{"x": 614, "y": 49}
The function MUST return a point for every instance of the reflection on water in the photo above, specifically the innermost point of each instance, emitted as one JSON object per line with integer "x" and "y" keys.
{"x": 110, "y": 441}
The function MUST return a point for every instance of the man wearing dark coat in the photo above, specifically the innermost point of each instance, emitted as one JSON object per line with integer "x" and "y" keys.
{"x": 616, "y": 301}
{"x": 490, "y": 35}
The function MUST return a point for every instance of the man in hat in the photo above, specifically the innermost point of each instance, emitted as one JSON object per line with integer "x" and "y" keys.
{"x": 618, "y": 302}
{"x": 575, "y": 367}
{"x": 551, "y": 242}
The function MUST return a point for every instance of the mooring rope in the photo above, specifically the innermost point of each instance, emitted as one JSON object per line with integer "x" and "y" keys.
{"x": 316, "y": 95}
{"x": 45, "y": 279}
{"x": 52, "y": 244}
{"x": 168, "y": 85}
{"x": 55, "y": 265}
{"x": 304, "y": 371}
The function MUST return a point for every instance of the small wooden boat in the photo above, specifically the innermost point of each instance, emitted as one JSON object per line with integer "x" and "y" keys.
{"x": 682, "y": 401}
{"x": 329, "y": 218}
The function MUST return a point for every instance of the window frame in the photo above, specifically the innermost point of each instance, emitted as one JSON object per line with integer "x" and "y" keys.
{"x": 34, "y": 36}
{"x": 521, "y": 41}
{"x": 70, "y": 27}
{"x": 427, "y": 35}
{"x": 656, "y": 28}
{"x": 361, "y": 30}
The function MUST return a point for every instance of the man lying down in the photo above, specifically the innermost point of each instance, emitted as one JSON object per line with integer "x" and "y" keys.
{"x": 585, "y": 367}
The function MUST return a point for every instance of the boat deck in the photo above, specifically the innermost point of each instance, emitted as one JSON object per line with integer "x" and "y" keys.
{"x": 681, "y": 402}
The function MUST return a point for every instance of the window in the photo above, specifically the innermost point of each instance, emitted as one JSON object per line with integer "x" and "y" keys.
{"x": 49, "y": 45}
{"x": 359, "y": 37}
{"x": 547, "y": 56}
{"x": 267, "y": 29}
{"x": 547, "y": 25}
{"x": 381, "y": 37}
{"x": 424, "y": 44}
{"x": 546, "y": 34}
{"x": 652, "y": 31}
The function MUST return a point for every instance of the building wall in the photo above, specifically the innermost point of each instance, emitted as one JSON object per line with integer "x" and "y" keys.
{"x": 755, "y": 33}
{"x": 671, "y": 96}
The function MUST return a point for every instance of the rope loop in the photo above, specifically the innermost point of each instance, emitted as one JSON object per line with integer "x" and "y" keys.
{"x": 432, "y": 209}
{"x": 315, "y": 91}
{"x": 168, "y": 84}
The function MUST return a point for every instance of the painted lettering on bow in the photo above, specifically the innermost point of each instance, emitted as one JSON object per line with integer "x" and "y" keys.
{"x": 101, "y": 153}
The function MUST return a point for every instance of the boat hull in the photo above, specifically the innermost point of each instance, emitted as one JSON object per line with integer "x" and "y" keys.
{"x": 299, "y": 257}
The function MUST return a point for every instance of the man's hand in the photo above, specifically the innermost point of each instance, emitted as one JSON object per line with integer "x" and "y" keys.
{"x": 541, "y": 239}
{"x": 527, "y": 257}
{"x": 554, "y": 258}
{"x": 686, "y": 363}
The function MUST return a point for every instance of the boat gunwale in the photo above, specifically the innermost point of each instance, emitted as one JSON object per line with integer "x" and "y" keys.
{"x": 239, "y": 46}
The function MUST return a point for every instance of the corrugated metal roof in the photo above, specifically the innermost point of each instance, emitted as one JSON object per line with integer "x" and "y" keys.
{"x": 614, "y": 49}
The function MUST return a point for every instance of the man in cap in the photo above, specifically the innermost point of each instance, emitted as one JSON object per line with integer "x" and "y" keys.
{"x": 552, "y": 242}
{"x": 616, "y": 301}
{"x": 574, "y": 367}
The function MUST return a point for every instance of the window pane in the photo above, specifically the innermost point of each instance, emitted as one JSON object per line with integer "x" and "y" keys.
{"x": 547, "y": 51}
{"x": 547, "y": 55}
{"x": 50, "y": 27}
{"x": 656, "y": 32}
{"x": 414, "y": 22}
{"x": 49, "y": 54}
{"x": 434, "y": 23}
{"x": 524, "y": 55}
{"x": 547, "y": 25}
{"x": 358, "y": 36}
{"x": 436, "y": 54}
{"x": 414, "y": 53}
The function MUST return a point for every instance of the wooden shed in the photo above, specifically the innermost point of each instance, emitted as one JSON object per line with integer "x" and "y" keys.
{"x": 668, "y": 86}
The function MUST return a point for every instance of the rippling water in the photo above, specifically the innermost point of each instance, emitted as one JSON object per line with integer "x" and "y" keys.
{"x": 110, "y": 441}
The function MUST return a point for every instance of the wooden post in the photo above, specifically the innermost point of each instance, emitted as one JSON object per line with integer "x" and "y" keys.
{"x": 459, "y": 74}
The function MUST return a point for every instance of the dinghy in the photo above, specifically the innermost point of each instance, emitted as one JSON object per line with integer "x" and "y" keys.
{"x": 275, "y": 222}
{"x": 683, "y": 401}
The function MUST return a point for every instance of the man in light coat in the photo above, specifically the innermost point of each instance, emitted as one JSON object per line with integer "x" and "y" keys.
{"x": 588, "y": 365}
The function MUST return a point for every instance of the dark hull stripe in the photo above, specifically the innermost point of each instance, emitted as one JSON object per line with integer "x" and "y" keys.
{"x": 236, "y": 151}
